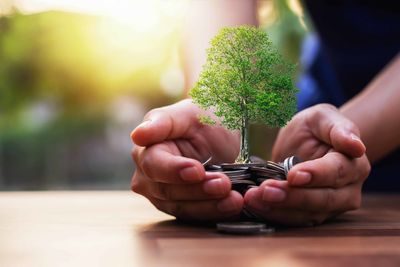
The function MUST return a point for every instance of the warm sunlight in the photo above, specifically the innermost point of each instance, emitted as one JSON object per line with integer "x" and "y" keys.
{"x": 75, "y": 77}
{"x": 142, "y": 15}
{"x": 128, "y": 35}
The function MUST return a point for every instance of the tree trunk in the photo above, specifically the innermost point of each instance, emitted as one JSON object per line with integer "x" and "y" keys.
{"x": 244, "y": 155}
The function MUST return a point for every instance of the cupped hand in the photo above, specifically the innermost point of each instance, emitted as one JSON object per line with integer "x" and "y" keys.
{"x": 170, "y": 145}
{"x": 330, "y": 179}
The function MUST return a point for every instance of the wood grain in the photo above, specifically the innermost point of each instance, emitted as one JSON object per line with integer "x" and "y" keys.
{"x": 123, "y": 229}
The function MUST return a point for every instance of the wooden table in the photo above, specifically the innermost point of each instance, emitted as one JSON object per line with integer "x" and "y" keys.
{"x": 123, "y": 229}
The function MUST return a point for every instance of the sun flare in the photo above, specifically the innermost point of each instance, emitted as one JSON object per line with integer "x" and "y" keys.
{"x": 143, "y": 16}
{"x": 124, "y": 37}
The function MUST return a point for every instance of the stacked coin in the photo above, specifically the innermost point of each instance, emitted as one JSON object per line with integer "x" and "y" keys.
{"x": 243, "y": 177}
{"x": 248, "y": 175}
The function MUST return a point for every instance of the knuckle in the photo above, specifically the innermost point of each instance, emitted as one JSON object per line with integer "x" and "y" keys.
{"x": 135, "y": 154}
{"x": 145, "y": 164}
{"x": 363, "y": 169}
{"x": 340, "y": 177}
{"x": 366, "y": 170}
{"x": 318, "y": 112}
{"x": 325, "y": 106}
{"x": 135, "y": 183}
{"x": 337, "y": 170}
{"x": 320, "y": 109}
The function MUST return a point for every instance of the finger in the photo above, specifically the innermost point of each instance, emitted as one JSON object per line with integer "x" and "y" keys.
{"x": 174, "y": 121}
{"x": 216, "y": 186}
{"x": 305, "y": 199}
{"x": 332, "y": 170}
{"x": 161, "y": 164}
{"x": 290, "y": 217}
{"x": 202, "y": 210}
{"x": 328, "y": 125}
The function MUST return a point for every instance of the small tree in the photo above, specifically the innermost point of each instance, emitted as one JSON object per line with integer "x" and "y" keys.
{"x": 247, "y": 81}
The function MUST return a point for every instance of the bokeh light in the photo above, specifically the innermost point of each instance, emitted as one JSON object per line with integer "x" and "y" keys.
{"x": 76, "y": 76}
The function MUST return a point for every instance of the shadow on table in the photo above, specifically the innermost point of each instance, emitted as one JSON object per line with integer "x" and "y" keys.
{"x": 177, "y": 229}
{"x": 355, "y": 223}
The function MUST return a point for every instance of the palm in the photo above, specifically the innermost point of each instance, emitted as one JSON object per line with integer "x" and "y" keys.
{"x": 203, "y": 142}
{"x": 298, "y": 139}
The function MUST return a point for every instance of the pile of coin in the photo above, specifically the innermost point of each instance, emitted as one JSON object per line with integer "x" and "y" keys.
{"x": 244, "y": 176}
{"x": 248, "y": 175}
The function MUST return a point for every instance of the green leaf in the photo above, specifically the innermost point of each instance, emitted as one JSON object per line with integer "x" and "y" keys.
{"x": 246, "y": 80}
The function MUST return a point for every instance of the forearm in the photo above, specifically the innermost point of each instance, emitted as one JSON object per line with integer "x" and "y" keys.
{"x": 203, "y": 20}
{"x": 376, "y": 111}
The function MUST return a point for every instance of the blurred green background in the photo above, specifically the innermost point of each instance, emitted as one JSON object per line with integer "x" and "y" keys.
{"x": 77, "y": 76}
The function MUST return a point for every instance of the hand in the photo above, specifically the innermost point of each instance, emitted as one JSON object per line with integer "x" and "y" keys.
{"x": 169, "y": 145}
{"x": 328, "y": 182}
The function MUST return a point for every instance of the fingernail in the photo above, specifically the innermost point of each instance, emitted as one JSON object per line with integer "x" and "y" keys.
{"x": 227, "y": 205}
{"x": 273, "y": 194}
{"x": 190, "y": 174}
{"x": 214, "y": 187}
{"x": 301, "y": 178}
{"x": 144, "y": 124}
{"x": 358, "y": 139}
{"x": 355, "y": 137}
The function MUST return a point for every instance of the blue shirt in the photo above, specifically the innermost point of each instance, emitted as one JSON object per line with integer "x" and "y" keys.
{"x": 354, "y": 41}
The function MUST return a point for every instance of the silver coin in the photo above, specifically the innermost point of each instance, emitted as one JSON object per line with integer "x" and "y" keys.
{"x": 235, "y": 172}
{"x": 241, "y": 165}
{"x": 294, "y": 160}
{"x": 275, "y": 166}
{"x": 243, "y": 182}
{"x": 265, "y": 171}
{"x": 213, "y": 168}
{"x": 244, "y": 228}
{"x": 207, "y": 161}
{"x": 289, "y": 162}
{"x": 246, "y": 175}
{"x": 240, "y": 177}
{"x": 286, "y": 165}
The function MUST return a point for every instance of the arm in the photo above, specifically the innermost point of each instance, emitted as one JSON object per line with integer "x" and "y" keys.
{"x": 203, "y": 20}
{"x": 376, "y": 112}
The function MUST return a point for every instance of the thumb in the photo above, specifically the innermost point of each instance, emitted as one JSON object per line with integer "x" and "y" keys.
{"x": 170, "y": 122}
{"x": 330, "y": 126}
{"x": 347, "y": 142}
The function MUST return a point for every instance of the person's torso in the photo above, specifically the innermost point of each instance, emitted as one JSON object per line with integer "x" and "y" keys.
{"x": 356, "y": 40}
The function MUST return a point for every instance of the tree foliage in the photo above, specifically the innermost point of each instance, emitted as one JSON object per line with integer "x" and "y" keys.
{"x": 247, "y": 81}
